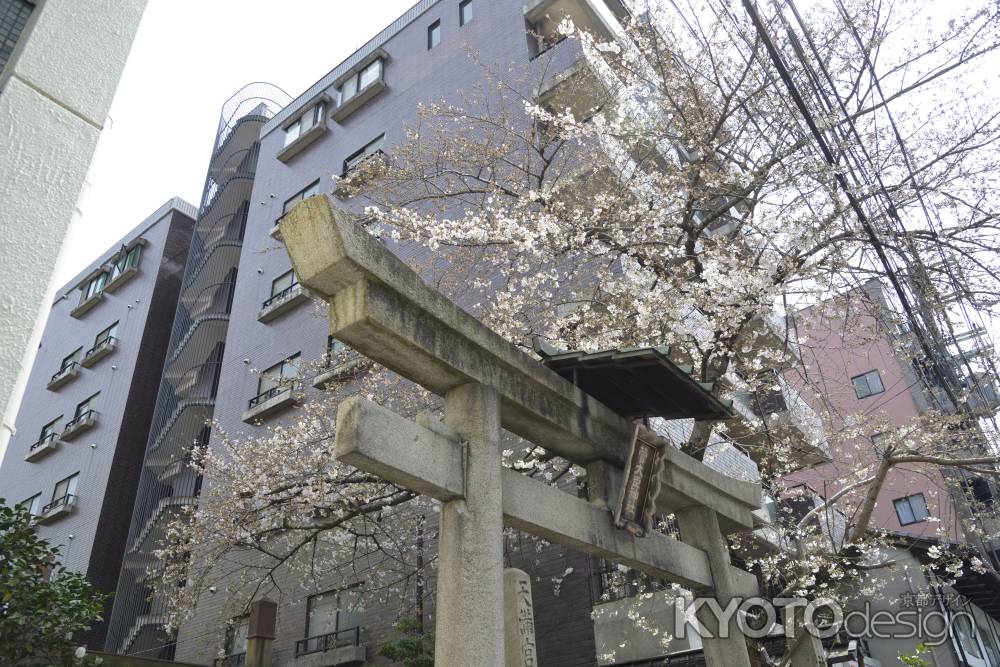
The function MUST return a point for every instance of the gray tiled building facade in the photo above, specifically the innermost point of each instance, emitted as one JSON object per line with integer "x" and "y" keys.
{"x": 88, "y": 403}
{"x": 423, "y": 57}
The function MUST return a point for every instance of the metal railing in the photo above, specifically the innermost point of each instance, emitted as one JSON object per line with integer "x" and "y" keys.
{"x": 68, "y": 499}
{"x": 265, "y": 396}
{"x": 281, "y": 296}
{"x": 44, "y": 441}
{"x": 110, "y": 340}
{"x": 331, "y": 640}
{"x": 231, "y": 660}
{"x": 65, "y": 369}
{"x": 79, "y": 419}
{"x": 348, "y": 169}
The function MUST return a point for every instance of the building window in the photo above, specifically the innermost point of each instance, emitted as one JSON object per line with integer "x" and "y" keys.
{"x": 94, "y": 286}
{"x": 127, "y": 259}
{"x": 276, "y": 379}
{"x": 236, "y": 639}
{"x": 434, "y": 34}
{"x": 878, "y": 442}
{"x": 911, "y": 509}
{"x": 13, "y": 17}
{"x": 867, "y": 384}
{"x": 283, "y": 283}
{"x": 464, "y": 12}
{"x": 310, "y": 191}
{"x": 373, "y": 148}
{"x": 332, "y": 619}
{"x": 50, "y": 430}
{"x": 365, "y": 77}
{"x": 84, "y": 409}
{"x": 312, "y": 117}
{"x": 32, "y": 504}
{"x": 70, "y": 360}
{"x": 64, "y": 492}
{"x": 109, "y": 335}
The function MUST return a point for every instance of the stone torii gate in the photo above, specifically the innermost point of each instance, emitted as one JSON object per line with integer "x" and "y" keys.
{"x": 384, "y": 310}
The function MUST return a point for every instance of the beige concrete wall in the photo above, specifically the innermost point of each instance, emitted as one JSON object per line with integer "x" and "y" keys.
{"x": 54, "y": 97}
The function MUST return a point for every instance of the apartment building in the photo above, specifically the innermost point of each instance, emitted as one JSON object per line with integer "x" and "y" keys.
{"x": 88, "y": 404}
{"x": 187, "y": 389}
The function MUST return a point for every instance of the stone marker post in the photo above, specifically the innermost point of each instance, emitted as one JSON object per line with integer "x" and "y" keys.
{"x": 699, "y": 527}
{"x": 806, "y": 649}
{"x": 261, "y": 632}
{"x": 469, "y": 628}
{"x": 519, "y": 619}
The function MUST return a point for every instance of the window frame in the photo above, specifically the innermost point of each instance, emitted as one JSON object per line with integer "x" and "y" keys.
{"x": 355, "y": 159}
{"x": 70, "y": 359}
{"x": 910, "y": 508}
{"x": 299, "y": 196}
{"x": 865, "y": 377}
{"x": 86, "y": 405}
{"x": 106, "y": 335}
{"x": 434, "y": 31}
{"x": 265, "y": 376}
{"x": 127, "y": 258}
{"x": 336, "y": 592}
{"x": 315, "y": 115}
{"x": 94, "y": 286}
{"x": 464, "y": 20}
{"x": 355, "y": 81}
{"x": 54, "y": 425}
{"x": 70, "y": 490}
{"x": 274, "y": 283}
{"x": 232, "y": 633}
{"x": 32, "y": 504}
{"x": 875, "y": 439}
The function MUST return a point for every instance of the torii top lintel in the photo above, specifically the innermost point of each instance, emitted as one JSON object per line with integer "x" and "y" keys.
{"x": 385, "y": 310}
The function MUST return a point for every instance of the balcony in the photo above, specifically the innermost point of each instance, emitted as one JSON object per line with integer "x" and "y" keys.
{"x": 282, "y": 302}
{"x": 341, "y": 368}
{"x": 99, "y": 351}
{"x": 84, "y": 422}
{"x": 353, "y": 179}
{"x": 64, "y": 376}
{"x": 593, "y": 16}
{"x": 86, "y": 305}
{"x": 770, "y": 333}
{"x": 126, "y": 275}
{"x": 576, "y": 89}
{"x": 271, "y": 401}
{"x": 342, "y": 647}
{"x": 43, "y": 448}
{"x": 57, "y": 509}
{"x": 778, "y": 415}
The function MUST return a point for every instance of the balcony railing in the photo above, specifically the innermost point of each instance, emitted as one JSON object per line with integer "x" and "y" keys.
{"x": 64, "y": 501}
{"x": 232, "y": 660}
{"x": 79, "y": 419}
{"x": 110, "y": 340}
{"x": 331, "y": 640}
{"x": 280, "y": 296}
{"x": 68, "y": 368}
{"x": 265, "y": 396}
{"x": 44, "y": 441}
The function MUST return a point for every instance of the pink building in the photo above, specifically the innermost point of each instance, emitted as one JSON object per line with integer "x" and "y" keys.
{"x": 854, "y": 380}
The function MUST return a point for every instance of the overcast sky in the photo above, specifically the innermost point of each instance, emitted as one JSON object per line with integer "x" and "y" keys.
{"x": 189, "y": 57}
